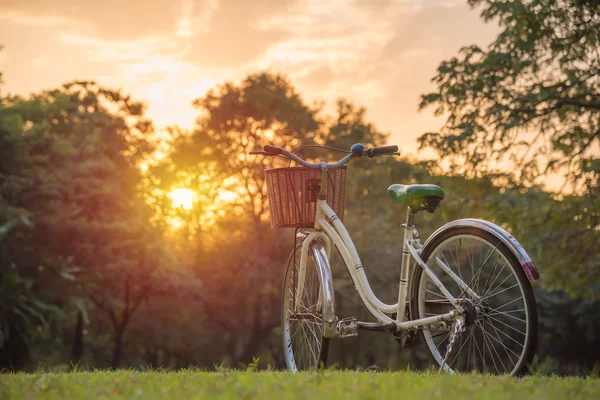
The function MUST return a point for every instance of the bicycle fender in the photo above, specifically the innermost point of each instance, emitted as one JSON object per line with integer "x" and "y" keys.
{"x": 513, "y": 245}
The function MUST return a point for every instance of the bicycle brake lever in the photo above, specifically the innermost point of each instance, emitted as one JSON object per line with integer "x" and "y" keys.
{"x": 261, "y": 153}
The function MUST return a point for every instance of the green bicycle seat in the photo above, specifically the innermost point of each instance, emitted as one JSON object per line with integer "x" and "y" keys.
{"x": 417, "y": 197}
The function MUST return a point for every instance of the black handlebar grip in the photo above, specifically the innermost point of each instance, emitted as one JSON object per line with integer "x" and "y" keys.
{"x": 379, "y": 151}
{"x": 272, "y": 149}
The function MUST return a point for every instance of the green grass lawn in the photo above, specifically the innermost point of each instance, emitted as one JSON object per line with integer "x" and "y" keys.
{"x": 284, "y": 385}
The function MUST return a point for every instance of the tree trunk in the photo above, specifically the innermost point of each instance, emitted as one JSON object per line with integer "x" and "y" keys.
{"x": 118, "y": 353}
{"x": 77, "y": 350}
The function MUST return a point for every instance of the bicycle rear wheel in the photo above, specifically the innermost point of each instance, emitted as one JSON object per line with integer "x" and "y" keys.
{"x": 304, "y": 345}
{"x": 503, "y": 338}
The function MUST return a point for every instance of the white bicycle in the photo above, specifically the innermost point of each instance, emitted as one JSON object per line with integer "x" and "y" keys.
{"x": 467, "y": 295}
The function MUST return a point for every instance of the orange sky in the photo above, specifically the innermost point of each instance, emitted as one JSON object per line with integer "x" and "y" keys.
{"x": 378, "y": 53}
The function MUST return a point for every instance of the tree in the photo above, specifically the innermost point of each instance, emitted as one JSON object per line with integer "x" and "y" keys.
{"x": 84, "y": 143}
{"x": 533, "y": 90}
{"x": 32, "y": 279}
{"x": 263, "y": 109}
{"x": 240, "y": 293}
{"x": 530, "y": 99}
{"x": 349, "y": 127}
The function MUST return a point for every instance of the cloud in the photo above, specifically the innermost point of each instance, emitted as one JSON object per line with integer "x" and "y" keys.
{"x": 235, "y": 36}
{"x": 443, "y": 27}
{"x": 196, "y": 17}
{"x": 378, "y": 53}
{"x": 109, "y": 19}
{"x": 34, "y": 20}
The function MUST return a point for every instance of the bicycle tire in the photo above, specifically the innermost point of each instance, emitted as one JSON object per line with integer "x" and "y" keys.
{"x": 493, "y": 315}
{"x": 295, "y": 359}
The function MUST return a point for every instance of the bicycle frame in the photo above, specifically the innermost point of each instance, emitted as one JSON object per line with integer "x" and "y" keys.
{"x": 334, "y": 232}
{"x": 330, "y": 230}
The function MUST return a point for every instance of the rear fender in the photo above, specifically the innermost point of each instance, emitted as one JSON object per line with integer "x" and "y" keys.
{"x": 513, "y": 245}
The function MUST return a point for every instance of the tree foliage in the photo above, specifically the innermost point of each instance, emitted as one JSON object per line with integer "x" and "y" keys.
{"x": 72, "y": 171}
{"x": 531, "y": 100}
{"x": 532, "y": 94}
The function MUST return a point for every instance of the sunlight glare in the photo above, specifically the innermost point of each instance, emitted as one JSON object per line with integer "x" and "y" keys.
{"x": 183, "y": 198}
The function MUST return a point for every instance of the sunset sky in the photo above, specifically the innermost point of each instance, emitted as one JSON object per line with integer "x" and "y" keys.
{"x": 378, "y": 53}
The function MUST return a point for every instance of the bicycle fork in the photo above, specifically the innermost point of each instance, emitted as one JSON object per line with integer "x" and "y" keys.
{"x": 326, "y": 299}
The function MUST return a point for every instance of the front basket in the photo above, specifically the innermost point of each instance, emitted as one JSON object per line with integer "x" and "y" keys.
{"x": 293, "y": 192}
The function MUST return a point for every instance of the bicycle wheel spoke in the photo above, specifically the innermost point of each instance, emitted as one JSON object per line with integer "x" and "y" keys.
{"x": 511, "y": 338}
{"x": 461, "y": 347}
{"x": 481, "y": 356}
{"x": 486, "y": 294}
{"x": 439, "y": 334}
{"x": 442, "y": 341}
{"x": 470, "y": 346}
{"x": 508, "y": 326}
{"x": 309, "y": 345}
{"x": 495, "y": 279}
{"x": 508, "y": 348}
{"x": 502, "y": 291}
{"x": 510, "y": 302}
{"x": 306, "y": 321}
{"x": 312, "y": 331}
{"x": 495, "y": 351}
{"x": 504, "y": 346}
{"x": 446, "y": 260}
{"x": 457, "y": 259}
{"x": 301, "y": 348}
{"x": 293, "y": 335}
{"x": 507, "y": 314}
{"x": 485, "y": 342}
{"x": 480, "y": 269}
{"x": 435, "y": 294}
{"x": 470, "y": 261}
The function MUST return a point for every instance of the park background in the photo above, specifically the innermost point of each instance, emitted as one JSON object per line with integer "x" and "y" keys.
{"x": 134, "y": 231}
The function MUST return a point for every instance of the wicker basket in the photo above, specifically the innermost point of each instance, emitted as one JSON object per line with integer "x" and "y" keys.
{"x": 293, "y": 192}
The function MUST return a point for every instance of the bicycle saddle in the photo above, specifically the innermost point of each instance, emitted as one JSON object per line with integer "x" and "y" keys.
{"x": 417, "y": 197}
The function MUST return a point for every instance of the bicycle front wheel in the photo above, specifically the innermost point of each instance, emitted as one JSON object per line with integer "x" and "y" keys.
{"x": 304, "y": 345}
{"x": 503, "y": 337}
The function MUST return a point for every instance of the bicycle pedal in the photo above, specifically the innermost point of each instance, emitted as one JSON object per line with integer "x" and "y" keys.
{"x": 346, "y": 328}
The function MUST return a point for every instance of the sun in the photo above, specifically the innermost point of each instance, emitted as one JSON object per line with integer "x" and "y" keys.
{"x": 183, "y": 198}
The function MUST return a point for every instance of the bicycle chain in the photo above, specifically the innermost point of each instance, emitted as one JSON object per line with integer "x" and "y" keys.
{"x": 457, "y": 328}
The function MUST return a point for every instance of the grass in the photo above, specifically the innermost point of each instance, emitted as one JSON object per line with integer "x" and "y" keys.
{"x": 283, "y": 385}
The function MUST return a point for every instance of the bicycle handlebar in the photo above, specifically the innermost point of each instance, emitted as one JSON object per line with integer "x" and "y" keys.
{"x": 381, "y": 151}
{"x": 357, "y": 151}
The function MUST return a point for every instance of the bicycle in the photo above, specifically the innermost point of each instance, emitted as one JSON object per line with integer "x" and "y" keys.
{"x": 468, "y": 294}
